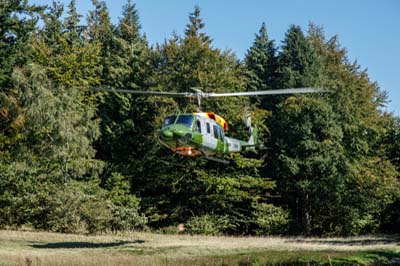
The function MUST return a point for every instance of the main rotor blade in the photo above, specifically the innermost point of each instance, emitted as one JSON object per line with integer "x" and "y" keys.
{"x": 199, "y": 93}
{"x": 269, "y": 92}
{"x": 150, "y": 93}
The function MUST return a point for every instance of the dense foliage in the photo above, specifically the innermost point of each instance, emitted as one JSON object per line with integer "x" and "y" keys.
{"x": 73, "y": 159}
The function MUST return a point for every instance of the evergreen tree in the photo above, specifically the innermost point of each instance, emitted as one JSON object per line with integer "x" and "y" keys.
{"x": 71, "y": 25}
{"x": 75, "y": 62}
{"x": 17, "y": 22}
{"x": 100, "y": 32}
{"x": 307, "y": 162}
{"x": 129, "y": 25}
{"x": 53, "y": 28}
{"x": 261, "y": 61}
{"x": 298, "y": 63}
{"x": 122, "y": 114}
{"x": 195, "y": 26}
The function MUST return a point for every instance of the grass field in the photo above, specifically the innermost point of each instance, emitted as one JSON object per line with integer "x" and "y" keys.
{"x": 42, "y": 248}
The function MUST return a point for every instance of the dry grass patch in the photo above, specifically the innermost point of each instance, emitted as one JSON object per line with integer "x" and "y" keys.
{"x": 44, "y": 248}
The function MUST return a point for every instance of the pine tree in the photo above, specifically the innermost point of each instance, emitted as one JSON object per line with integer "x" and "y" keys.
{"x": 129, "y": 25}
{"x": 195, "y": 26}
{"x": 75, "y": 61}
{"x": 52, "y": 30}
{"x": 100, "y": 31}
{"x": 307, "y": 162}
{"x": 71, "y": 25}
{"x": 122, "y": 114}
{"x": 17, "y": 21}
{"x": 261, "y": 62}
{"x": 298, "y": 63}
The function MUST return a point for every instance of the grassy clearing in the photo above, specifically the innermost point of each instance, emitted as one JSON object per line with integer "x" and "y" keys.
{"x": 42, "y": 248}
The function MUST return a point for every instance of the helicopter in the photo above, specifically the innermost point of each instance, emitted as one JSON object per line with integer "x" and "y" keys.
{"x": 202, "y": 134}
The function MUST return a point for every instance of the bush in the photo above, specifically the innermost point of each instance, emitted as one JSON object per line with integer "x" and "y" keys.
{"x": 270, "y": 219}
{"x": 208, "y": 224}
{"x": 126, "y": 216}
{"x": 70, "y": 208}
{"x": 74, "y": 207}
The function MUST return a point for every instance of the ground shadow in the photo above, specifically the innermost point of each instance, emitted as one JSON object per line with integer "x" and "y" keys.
{"x": 85, "y": 244}
{"x": 351, "y": 242}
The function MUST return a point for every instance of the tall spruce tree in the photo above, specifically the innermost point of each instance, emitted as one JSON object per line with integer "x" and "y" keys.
{"x": 17, "y": 21}
{"x": 100, "y": 31}
{"x": 122, "y": 115}
{"x": 261, "y": 61}
{"x": 53, "y": 27}
{"x": 307, "y": 162}
{"x": 71, "y": 25}
{"x": 298, "y": 62}
{"x": 193, "y": 29}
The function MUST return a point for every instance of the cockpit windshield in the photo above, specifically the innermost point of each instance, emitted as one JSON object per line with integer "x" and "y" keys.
{"x": 186, "y": 120}
{"x": 169, "y": 120}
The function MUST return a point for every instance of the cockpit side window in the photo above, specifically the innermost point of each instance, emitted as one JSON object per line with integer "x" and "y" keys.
{"x": 198, "y": 126}
{"x": 215, "y": 129}
{"x": 221, "y": 134}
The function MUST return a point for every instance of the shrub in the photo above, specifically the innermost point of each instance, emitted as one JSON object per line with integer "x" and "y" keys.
{"x": 208, "y": 224}
{"x": 126, "y": 214}
{"x": 270, "y": 219}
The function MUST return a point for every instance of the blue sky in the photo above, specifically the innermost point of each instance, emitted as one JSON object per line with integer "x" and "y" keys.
{"x": 369, "y": 29}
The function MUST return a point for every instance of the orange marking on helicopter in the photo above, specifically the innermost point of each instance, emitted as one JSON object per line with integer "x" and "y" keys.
{"x": 187, "y": 151}
{"x": 216, "y": 118}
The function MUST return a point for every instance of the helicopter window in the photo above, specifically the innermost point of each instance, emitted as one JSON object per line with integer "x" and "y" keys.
{"x": 186, "y": 120}
{"x": 215, "y": 129}
{"x": 221, "y": 134}
{"x": 208, "y": 128}
{"x": 169, "y": 120}
{"x": 198, "y": 126}
{"x": 218, "y": 134}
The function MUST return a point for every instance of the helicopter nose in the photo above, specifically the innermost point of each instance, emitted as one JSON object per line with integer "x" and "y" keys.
{"x": 178, "y": 133}
{"x": 167, "y": 134}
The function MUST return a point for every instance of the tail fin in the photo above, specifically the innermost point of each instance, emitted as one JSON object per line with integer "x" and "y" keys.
{"x": 253, "y": 140}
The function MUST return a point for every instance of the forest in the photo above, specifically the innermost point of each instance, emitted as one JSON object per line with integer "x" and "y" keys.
{"x": 74, "y": 159}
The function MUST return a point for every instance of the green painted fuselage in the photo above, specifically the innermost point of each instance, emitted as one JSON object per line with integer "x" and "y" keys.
{"x": 196, "y": 134}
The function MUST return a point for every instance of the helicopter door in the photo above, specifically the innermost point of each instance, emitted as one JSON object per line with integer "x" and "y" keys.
{"x": 210, "y": 141}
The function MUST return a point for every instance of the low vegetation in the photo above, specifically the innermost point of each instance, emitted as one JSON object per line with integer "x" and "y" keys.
{"x": 39, "y": 248}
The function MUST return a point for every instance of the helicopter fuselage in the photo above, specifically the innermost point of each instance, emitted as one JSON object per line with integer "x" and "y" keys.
{"x": 198, "y": 134}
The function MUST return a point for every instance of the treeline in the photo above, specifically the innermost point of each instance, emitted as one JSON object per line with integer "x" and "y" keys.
{"x": 73, "y": 159}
